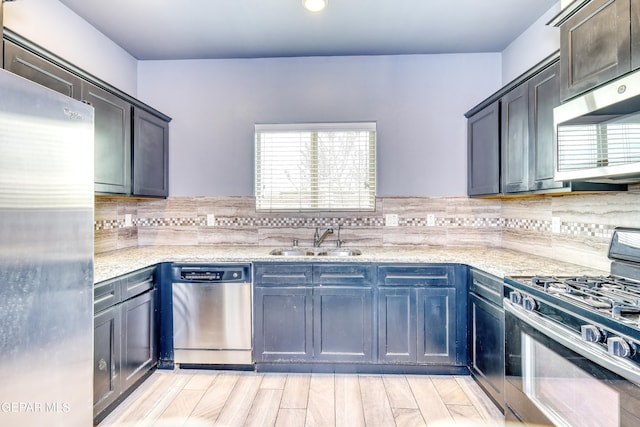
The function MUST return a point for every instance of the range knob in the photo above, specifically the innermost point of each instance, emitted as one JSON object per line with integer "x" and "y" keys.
{"x": 515, "y": 297}
{"x": 590, "y": 333}
{"x": 619, "y": 347}
{"x": 529, "y": 303}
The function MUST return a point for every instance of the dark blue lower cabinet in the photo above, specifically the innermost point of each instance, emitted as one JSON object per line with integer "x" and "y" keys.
{"x": 417, "y": 325}
{"x": 343, "y": 324}
{"x": 397, "y": 325}
{"x": 125, "y": 336}
{"x": 106, "y": 355}
{"x": 360, "y": 314}
{"x": 283, "y": 324}
{"x": 437, "y": 331}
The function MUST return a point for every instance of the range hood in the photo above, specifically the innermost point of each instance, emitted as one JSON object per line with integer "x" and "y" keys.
{"x": 597, "y": 136}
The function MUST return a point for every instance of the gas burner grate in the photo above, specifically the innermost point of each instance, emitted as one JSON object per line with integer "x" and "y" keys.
{"x": 618, "y": 296}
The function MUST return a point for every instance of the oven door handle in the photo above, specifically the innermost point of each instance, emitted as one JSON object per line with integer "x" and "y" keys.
{"x": 572, "y": 341}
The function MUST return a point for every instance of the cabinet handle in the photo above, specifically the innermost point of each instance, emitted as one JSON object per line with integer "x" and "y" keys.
{"x": 341, "y": 276}
{"x": 104, "y": 298}
{"x": 481, "y": 285}
{"x": 275, "y": 276}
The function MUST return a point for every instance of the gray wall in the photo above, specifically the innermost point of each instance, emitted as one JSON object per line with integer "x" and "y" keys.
{"x": 418, "y": 102}
{"x": 533, "y": 45}
{"x": 55, "y": 27}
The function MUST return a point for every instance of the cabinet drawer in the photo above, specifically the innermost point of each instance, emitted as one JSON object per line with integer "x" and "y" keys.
{"x": 139, "y": 282}
{"x": 341, "y": 274}
{"x": 487, "y": 286}
{"x": 408, "y": 275}
{"x": 106, "y": 294}
{"x": 114, "y": 291}
{"x": 282, "y": 274}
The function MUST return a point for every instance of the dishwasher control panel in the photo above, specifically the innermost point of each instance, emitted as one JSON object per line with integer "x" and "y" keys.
{"x": 211, "y": 273}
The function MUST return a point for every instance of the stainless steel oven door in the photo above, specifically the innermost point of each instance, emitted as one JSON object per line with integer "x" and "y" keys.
{"x": 554, "y": 378}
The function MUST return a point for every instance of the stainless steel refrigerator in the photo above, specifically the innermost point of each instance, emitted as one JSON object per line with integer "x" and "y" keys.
{"x": 46, "y": 257}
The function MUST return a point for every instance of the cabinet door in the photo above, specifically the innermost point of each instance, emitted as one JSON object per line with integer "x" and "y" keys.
{"x": 106, "y": 357}
{"x": 437, "y": 337}
{"x": 139, "y": 343}
{"x": 397, "y": 325}
{"x": 342, "y": 324}
{"x": 515, "y": 140}
{"x": 483, "y": 151}
{"x": 150, "y": 155}
{"x": 487, "y": 347}
{"x": 635, "y": 34}
{"x": 595, "y": 46}
{"x": 283, "y": 324}
{"x": 32, "y": 67}
{"x": 112, "y": 142}
{"x": 544, "y": 96}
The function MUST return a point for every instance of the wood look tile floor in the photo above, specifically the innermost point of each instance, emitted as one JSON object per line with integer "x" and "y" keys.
{"x": 196, "y": 398}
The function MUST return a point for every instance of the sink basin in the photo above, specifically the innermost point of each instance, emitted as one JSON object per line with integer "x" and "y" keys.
{"x": 292, "y": 252}
{"x": 341, "y": 252}
{"x": 338, "y": 252}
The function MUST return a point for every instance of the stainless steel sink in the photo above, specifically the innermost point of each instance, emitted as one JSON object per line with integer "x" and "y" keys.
{"x": 292, "y": 252}
{"x": 337, "y": 252}
{"x": 341, "y": 252}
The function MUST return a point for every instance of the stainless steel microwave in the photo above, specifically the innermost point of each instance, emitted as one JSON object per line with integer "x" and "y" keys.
{"x": 597, "y": 136}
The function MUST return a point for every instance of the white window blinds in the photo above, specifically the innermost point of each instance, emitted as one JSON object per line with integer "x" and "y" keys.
{"x": 609, "y": 143}
{"x": 317, "y": 166}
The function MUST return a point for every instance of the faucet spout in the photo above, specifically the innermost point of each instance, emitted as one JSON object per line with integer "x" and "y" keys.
{"x": 317, "y": 238}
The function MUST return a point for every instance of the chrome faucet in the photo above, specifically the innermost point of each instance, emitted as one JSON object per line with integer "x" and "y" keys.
{"x": 317, "y": 238}
{"x": 339, "y": 242}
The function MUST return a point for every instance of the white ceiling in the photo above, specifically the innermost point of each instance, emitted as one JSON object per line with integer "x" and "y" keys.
{"x": 197, "y": 29}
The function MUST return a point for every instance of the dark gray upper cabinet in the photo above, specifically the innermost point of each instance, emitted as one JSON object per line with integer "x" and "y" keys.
{"x": 635, "y": 34}
{"x": 112, "y": 140}
{"x": 544, "y": 96}
{"x": 515, "y": 140}
{"x": 511, "y": 138}
{"x": 596, "y": 45}
{"x": 150, "y": 155}
{"x": 528, "y": 132}
{"x": 483, "y": 151}
{"x": 32, "y": 67}
{"x": 131, "y": 152}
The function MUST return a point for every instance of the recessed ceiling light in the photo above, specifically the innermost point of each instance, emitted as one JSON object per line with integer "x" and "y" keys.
{"x": 315, "y": 5}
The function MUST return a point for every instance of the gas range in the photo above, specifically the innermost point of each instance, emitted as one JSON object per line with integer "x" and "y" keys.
{"x": 613, "y": 300}
{"x": 602, "y": 309}
{"x": 610, "y": 296}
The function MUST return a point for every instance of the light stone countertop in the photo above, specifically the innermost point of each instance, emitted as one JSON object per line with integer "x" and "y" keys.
{"x": 499, "y": 262}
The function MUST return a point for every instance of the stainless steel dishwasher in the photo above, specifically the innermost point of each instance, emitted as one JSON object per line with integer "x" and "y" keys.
{"x": 212, "y": 314}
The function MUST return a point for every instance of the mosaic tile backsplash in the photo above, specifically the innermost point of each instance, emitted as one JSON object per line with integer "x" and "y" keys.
{"x": 580, "y": 233}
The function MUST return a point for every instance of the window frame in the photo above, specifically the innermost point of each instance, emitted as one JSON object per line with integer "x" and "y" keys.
{"x": 314, "y": 188}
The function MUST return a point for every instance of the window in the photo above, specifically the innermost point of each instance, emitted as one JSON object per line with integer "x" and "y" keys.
{"x": 318, "y": 166}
